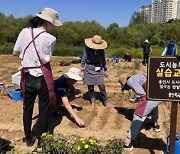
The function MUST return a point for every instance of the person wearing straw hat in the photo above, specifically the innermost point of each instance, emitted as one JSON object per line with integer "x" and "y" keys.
{"x": 93, "y": 64}
{"x": 137, "y": 83}
{"x": 147, "y": 50}
{"x": 35, "y": 46}
{"x": 65, "y": 92}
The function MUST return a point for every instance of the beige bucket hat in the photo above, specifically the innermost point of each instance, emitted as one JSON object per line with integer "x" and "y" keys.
{"x": 50, "y": 15}
{"x": 96, "y": 42}
{"x": 73, "y": 73}
{"x": 123, "y": 80}
{"x": 146, "y": 41}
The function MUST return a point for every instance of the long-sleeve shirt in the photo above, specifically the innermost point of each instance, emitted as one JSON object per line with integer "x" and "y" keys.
{"x": 135, "y": 82}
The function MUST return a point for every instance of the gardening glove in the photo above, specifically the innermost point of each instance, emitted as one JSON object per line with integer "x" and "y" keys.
{"x": 105, "y": 72}
{"x": 82, "y": 72}
{"x": 136, "y": 99}
{"x": 78, "y": 96}
{"x": 19, "y": 68}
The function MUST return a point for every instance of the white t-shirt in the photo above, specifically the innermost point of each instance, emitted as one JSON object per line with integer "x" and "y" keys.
{"x": 45, "y": 44}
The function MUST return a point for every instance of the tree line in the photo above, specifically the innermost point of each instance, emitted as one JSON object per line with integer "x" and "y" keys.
{"x": 70, "y": 36}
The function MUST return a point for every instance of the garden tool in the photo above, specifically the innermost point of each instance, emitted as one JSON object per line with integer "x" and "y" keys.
{"x": 14, "y": 94}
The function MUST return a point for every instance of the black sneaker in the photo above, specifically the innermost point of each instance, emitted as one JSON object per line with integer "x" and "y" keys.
{"x": 156, "y": 128}
{"x": 39, "y": 143}
{"x": 128, "y": 147}
{"x": 29, "y": 139}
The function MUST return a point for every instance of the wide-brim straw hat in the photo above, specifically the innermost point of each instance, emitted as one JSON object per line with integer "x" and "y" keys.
{"x": 73, "y": 73}
{"x": 50, "y": 15}
{"x": 96, "y": 42}
{"x": 123, "y": 80}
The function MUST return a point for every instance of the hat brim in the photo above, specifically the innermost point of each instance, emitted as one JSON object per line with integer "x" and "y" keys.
{"x": 54, "y": 22}
{"x": 93, "y": 45}
{"x": 123, "y": 82}
{"x": 70, "y": 76}
{"x": 125, "y": 87}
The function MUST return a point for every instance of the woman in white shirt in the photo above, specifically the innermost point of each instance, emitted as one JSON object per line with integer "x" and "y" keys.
{"x": 34, "y": 46}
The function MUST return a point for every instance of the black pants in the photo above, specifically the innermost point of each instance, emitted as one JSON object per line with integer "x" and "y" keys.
{"x": 145, "y": 58}
{"x": 102, "y": 91}
{"x": 35, "y": 86}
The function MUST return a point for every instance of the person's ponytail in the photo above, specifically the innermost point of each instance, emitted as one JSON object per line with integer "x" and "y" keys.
{"x": 36, "y": 21}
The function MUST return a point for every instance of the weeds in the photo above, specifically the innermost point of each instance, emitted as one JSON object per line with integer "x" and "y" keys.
{"x": 137, "y": 64}
{"x": 76, "y": 61}
{"x": 64, "y": 63}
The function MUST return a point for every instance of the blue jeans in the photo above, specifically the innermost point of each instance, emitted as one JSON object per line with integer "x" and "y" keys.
{"x": 35, "y": 86}
{"x": 152, "y": 106}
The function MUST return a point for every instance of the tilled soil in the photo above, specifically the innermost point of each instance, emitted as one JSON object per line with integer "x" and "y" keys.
{"x": 104, "y": 123}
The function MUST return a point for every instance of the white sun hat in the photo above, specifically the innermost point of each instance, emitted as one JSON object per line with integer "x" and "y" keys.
{"x": 146, "y": 41}
{"x": 50, "y": 15}
{"x": 96, "y": 42}
{"x": 73, "y": 73}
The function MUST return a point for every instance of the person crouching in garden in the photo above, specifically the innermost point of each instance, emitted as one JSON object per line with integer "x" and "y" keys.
{"x": 145, "y": 107}
{"x": 65, "y": 91}
{"x": 93, "y": 64}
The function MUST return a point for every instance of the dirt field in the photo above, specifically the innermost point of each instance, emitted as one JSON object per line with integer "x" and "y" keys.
{"x": 102, "y": 122}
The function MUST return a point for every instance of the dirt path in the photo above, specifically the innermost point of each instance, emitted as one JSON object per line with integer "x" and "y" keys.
{"x": 101, "y": 122}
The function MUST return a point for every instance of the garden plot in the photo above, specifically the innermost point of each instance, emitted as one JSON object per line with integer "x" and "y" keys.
{"x": 101, "y": 122}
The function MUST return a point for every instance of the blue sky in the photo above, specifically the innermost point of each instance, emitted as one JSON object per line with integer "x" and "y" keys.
{"x": 104, "y": 12}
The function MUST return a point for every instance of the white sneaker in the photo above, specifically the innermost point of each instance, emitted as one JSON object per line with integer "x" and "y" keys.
{"x": 128, "y": 147}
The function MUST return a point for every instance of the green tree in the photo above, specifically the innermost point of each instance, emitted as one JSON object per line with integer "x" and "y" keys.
{"x": 138, "y": 18}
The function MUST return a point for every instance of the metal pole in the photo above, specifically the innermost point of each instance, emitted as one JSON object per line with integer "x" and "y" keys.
{"x": 174, "y": 109}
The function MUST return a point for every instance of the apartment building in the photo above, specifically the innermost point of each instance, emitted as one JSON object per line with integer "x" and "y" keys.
{"x": 146, "y": 10}
{"x": 162, "y": 11}
{"x": 178, "y": 10}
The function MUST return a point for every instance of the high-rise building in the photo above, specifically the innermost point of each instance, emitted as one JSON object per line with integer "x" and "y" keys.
{"x": 146, "y": 10}
{"x": 162, "y": 11}
{"x": 178, "y": 10}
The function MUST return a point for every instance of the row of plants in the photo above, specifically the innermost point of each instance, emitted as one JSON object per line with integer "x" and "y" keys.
{"x": 58, "y": 144}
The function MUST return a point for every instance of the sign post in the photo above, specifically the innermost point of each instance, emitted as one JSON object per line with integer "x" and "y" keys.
{"x": 164, "y": 85}
{"x": 173, "y": 123}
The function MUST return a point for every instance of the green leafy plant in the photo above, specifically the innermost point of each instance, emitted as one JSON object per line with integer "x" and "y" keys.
{"x": 86, "y": 146}
{"x": 129, "y": 95}
{"x": 54, "y": 144}
{"x": 65, "y": 63}
{"x": 114, "y": 146}
{"x": 76, "y": 61}
{"x": 58, "y": 144}
{"x": 137, "y": 64}
{"x": 15, "y": 151}
{"x": 120, "y": 95}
